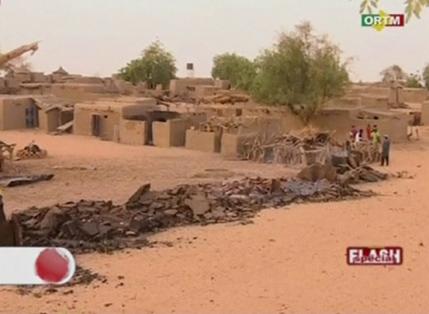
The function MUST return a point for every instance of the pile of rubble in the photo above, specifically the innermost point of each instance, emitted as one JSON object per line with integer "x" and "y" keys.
{"x": 88, "y": 226}
{"x": 341, "y": 174}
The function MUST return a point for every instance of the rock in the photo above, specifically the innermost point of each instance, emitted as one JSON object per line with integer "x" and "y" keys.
{"x": 239, "y": 197}
{"x": 24, "y": 180}
{"x": 139, "y": 193}
{"x": 52, "y": 219}
{"x": 89, "y": 228}
{"x": 276, "y": 187}
{"x": 198, "y": 204}
{"x": 171, "y": 212}
{"x": 157, "y": 205}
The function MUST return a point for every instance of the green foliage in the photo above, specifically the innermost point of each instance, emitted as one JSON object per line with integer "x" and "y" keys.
{"x": 239, "y": 70}
{"x": 301, "y": 71}
{"x": 414, "y": 81}
{"x": 426, "y": 76}
{"x": 155, "y": 66}
{"x": 412, "y": 7}
{"x": 393, "y": 73}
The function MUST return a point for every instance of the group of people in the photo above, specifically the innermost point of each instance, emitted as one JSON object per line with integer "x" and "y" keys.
{"x": 372, "y": 135}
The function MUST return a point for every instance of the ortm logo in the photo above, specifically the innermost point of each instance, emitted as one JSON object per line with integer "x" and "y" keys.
{"x": 382, "y": 20}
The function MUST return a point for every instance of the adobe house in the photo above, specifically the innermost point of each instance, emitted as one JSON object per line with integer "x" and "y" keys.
{"x": 158, "y": 130}
{"x": 124, "y": 120}
{"x": 18, "y": 112}
{"x": 425, "y": 112}
{"x": 187, "y": 86}
{"x": 102, "y": 118}
{"x": 172, "y": 133}
{"x": 415, "y": 95}
{"x": 341, "y": 120}
{"x": 22, "y": 75}
{"x": 54, "y": 116}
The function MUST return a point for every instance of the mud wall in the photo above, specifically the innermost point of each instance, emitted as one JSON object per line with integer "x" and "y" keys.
{"x": 132, "y": 132}
{"x": 203, "y": 141}
{"x": 415, "y": 94}
{"x": 169, "y": 134}
{"x": 13, "y": 112}
{"x": 108, "y": 121}
{"x": 425, "y": 113}
{"x": 49, "y": 121}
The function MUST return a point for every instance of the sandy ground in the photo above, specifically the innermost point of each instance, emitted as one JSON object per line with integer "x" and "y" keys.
{"x": 290, "y": 260}
{"x": 120, "y": 169}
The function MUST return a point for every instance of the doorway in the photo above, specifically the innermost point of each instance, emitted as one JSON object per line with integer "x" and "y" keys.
{"x": 31, "y": 117}
{"x": 96, "y": 125}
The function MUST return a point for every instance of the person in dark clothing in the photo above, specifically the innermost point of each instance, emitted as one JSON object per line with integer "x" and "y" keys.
{"x": 353, "y": 133}
{"x": 385, "y": 151}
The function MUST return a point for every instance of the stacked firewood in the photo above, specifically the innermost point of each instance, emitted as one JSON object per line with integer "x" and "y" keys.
{"x": 225, "y": 98}
{"x": 31, "y": 151}
{"x": 290, "y": 149}
{"x": 215, "y": 124}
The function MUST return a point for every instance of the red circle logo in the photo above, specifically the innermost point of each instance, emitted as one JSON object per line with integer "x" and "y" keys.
{"x": 52, "y": 266}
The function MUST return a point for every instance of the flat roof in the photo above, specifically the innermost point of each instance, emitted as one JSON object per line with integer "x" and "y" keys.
{"x": 6, "y": 96}
{"x": 117, "y": 105}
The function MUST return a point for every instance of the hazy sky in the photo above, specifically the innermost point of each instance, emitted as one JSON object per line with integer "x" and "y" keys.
{"x": 97, "y": 37}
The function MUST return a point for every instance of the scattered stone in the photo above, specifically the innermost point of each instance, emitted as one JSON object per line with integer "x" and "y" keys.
{"x": 24, "y": 180}
{"x": 88, "y": 226}
{"x": 170, "y": 212}
{"x": 139, "y": 193}
{"x": 403, "y": 175}
{"x": 198, "y": 204}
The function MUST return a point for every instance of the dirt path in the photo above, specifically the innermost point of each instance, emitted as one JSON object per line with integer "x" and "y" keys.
{"x": 290, "y": 260}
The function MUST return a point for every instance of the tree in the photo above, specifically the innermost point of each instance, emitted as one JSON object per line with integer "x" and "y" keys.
{"x": 393, "y": 73}
{"x": 155, "y": 66}
{"x": 239, "y": 70}
{"x": 426, "y": 76}
{"x": 301, "y": 71}
{"x": 414, "y": 81}
{"x": 412, "y": 7}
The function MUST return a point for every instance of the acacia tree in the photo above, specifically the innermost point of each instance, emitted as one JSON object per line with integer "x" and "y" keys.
{"x": 393, "y": 73}
{"x": 155, "y": 66}
{"x": 414, "y": 80}
{"x": 412, "y": 7}
{"x": 302, "y": 71}
{"x": 239, "y": 70}
{"x": 426, "y": 76}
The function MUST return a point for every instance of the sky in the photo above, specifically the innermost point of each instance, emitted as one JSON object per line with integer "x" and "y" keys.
{"x": 98, "y": 37}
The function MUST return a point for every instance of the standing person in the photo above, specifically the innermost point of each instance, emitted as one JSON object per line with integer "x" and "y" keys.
{"x": 359, "y": 136}
{"x": 368, "y": 132}
{"x": 353, "y": 132}
{"x": 385, "y": 152}
{"x": 375, "y": 135}
{"x": 376, "y": 140}
{"x": 413, "y": 127}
